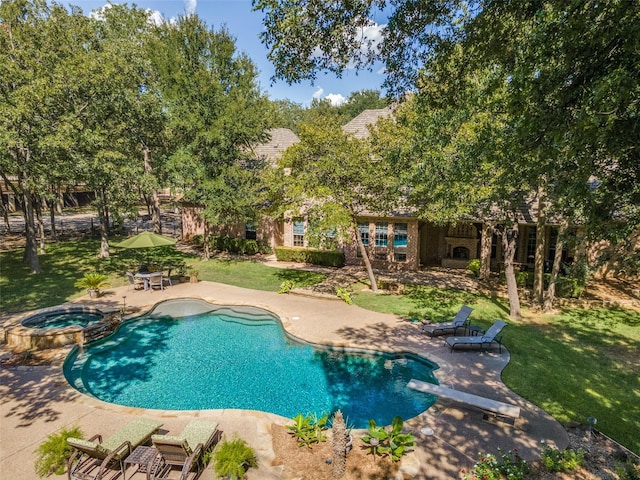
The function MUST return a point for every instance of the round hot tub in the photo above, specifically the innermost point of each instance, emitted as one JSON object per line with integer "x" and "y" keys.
{"x": 54, "y": 327}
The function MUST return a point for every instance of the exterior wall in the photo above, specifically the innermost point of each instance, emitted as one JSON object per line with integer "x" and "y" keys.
{"x": 384, "y": 256}
{"x": 269, "y": 231}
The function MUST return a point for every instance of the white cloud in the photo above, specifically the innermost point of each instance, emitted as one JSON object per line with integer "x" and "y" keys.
{"x": 318, "y": 93}
{"x": 155, "y": 17}
{"x": 190, "y": 6}
{"x": 336, "y": 99}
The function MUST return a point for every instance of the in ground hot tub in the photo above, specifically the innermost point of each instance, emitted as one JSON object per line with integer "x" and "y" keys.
{"x": 55, "y": 327}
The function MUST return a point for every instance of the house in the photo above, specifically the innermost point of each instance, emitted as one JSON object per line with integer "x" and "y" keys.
{"x": 398, "y": 241}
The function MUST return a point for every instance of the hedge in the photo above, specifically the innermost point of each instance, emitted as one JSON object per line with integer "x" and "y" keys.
{"x": 328, "y": 258}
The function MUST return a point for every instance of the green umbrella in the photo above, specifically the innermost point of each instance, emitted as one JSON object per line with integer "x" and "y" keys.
{"x": 146, "y": 240}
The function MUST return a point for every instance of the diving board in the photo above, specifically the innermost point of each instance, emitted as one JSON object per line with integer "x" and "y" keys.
{"x": 494, "y": 406}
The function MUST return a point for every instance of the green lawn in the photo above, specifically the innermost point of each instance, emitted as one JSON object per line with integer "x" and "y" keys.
{"x": 575, "y": 365}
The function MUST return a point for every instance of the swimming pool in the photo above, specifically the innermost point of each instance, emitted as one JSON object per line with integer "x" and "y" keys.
{"x": 214, "y": 357}
{"x": 64, "y": 318}
{"x": 52, "y": 327}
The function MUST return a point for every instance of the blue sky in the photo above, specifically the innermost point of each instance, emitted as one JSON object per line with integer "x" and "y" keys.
{"x": 245, "y": 26}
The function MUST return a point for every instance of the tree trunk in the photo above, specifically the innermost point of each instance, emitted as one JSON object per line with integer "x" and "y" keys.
{"x": 155, "y": 200}
{"x": 31, "y": 249}
{"x": 103, "y": 216}
{"x": 365, "y": 258}
{"x": 5, "y": 208}
{"x": 550, "y": 295}
{"x": 485, "y": 250}
{"x": 52, "y": 219}
{"x": 510, "y": 242}
{"x": 40, "y": 223}
{"x": 541, "y": 243}
{"x": 206, "y": 248}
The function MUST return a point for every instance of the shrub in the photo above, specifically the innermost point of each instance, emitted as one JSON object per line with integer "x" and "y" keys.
{"x": 233, "y": 458}
{"x": 329, "y": 258}
{"x": 344, "y": 294}
{"x": 508, "y": 465}
{"x": 628, "y": 471}
{"x": 390, "y": 442}
{"x": 53, "y": 454}
{"x": 308, "y": 430}
{"x": 562, "y": 460}
{"x": 286, "y": 286}
{"x": 92, "y": 281}
{"x": 474, "y": 267}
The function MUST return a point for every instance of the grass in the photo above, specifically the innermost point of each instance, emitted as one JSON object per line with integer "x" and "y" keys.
{"x": 576, "y": 364}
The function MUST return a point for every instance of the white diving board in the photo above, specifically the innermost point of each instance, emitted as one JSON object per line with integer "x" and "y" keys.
{"x": 499, "y": 408}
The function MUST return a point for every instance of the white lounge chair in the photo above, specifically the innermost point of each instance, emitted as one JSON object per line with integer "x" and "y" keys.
{"x": 461, "y": 320}
{"x": 490, "y": 336}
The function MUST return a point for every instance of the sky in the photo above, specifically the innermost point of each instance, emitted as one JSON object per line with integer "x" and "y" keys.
{"x": 245, "y": 25}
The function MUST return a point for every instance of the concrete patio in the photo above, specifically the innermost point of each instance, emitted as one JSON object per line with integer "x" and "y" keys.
{"x": 37, "y": 401}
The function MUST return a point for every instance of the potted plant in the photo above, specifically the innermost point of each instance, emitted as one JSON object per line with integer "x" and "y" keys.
{"x": 181, "y": 271}
{"x": 93, "y": 282}
{"x": 193, "y": 275}
{"x": 233, "y": 458}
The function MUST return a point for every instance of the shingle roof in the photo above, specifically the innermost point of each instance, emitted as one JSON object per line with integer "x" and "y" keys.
{"x": 358, "y": 126}
{"x": 281, "y": 139}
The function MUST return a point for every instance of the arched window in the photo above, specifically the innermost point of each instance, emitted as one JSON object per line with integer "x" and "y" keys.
{"x": 461, "y": 253}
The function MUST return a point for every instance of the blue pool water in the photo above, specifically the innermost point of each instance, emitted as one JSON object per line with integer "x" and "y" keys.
{"x": 62, "y": 319}
{"x": 241, "y": 358}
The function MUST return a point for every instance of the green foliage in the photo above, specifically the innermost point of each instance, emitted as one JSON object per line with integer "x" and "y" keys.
{"x": 233, "y": 458}
{"x": 92, "y": 281}
{"x": 562, "y": 460}
{"x": 474, "y": 267}
{"x": 286, "y": 286}
{"x": 239, "y": 245}
{"x": 54, "y": 452}
{"x": 628, "y": 471}
{"x": 309, "y": 255}
{"x": 344, "y": 294}
{"x": 509, "y": 466}
{"x": 391, "y": 442}
{"x": 308, "y": 430}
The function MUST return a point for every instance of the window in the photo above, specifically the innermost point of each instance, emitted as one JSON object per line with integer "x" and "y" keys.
{"x": 382, "y": 234}
{"x": 250, "y": 231}
{"x": 364, "y": 232}
{"x": 531, "y": 245}
{"x": 400, "y": 241}
{"x": 298, "y": 233}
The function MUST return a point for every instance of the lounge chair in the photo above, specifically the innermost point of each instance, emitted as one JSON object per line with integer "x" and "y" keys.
{"x": 185, "y": 450}
{"x": 461, "y": 320}
{"x": 490, "y": 336}
{"x": 95, "y": 459}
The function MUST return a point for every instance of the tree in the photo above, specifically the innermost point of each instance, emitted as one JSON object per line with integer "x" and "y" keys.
{"x": 333, "y": 179}
{"x": 37, "y": 88}
{"x": 568, "y": 74}
{"x": 215, "y": 112}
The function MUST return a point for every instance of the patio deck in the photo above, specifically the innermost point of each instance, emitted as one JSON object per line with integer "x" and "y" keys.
{"x": 37, "y": 401}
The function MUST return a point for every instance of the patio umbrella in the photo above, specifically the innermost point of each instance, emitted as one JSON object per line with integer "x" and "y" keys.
{"x": 146, "y": 240}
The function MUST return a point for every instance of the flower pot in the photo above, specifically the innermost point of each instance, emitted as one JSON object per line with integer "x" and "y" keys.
{"x": 193, "y": 279}
{"x": 349, "y": 445}
{"x": 93, "y": 293}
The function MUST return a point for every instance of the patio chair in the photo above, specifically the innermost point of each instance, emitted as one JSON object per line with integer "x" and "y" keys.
{"x": 186, "y": 450}
{"x": 95, "y": 458}
{"x": 461, "y": 320}
{"x": 136, "y": 283}
{"x": 167, "y": 278}
{"x": 156, "y": 280}
{"x": 490, "y": 336}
